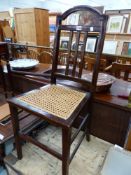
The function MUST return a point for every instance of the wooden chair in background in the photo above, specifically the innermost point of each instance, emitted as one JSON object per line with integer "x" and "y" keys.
{"x": 58, "y": 104}
{"x": 123, "y": 60}
{"x": 33, "y": 54}
{"x": 45, "y": 57}
{"x": 90, "y": 62}
{"x": 121, "y": 70}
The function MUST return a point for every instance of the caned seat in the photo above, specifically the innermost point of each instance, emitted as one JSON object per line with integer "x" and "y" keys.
{"x": 55, "y": 99}
{"x": 63, "y": 105}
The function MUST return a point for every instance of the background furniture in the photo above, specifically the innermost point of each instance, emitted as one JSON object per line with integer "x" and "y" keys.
{"x": 32, "y": 26}
{"x": 6, "y": 130}
{"x": 46, "y": 57}
{"x": 121, "y": 70}
{"x": 90, "y": 62}
{"x": 3, "y": 23}
{"x": 32, "y": 54}
{"x": 112, "y": 123}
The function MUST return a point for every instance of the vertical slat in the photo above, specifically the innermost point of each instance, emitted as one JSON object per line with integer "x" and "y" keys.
{"x": 99, "y": 48}
{"x": 82, "y": 55}
{"x": 69, "y": 53}
{"x": 56, "y": 51}
{"x": 76, "y": 54}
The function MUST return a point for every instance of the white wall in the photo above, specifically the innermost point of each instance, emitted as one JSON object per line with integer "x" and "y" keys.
{"x": 6, "y": 4}
{"x": 62, "y": 5}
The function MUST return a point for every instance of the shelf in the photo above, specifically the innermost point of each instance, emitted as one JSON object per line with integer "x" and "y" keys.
{"x": 121, "y": 34}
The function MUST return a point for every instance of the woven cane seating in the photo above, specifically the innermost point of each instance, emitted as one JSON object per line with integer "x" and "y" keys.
{"x": 54, "y": 99}
{"x": 60, "y": 105}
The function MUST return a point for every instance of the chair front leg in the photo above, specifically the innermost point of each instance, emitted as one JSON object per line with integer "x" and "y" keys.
{"x": 87, "y": 128}
{"x": 15, "y": 123}
{"x": 66, "y": 143}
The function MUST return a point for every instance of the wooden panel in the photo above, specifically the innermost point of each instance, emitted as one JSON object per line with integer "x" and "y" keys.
{"x": 25, "y": 27}
{"x": 8, "y": 32}
{"x": 42, "y": 27}
{"x": 109, "y": 123}
{"x": 3, "y": 24}
{"x": 4, "y": 111}
{"x": 32, "y": 26}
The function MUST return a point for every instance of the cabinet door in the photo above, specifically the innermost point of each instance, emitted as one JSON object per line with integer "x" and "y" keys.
{"x": 25, "y": 27}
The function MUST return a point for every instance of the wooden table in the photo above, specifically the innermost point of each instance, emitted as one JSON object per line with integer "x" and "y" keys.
{"x": 110, "y": 114}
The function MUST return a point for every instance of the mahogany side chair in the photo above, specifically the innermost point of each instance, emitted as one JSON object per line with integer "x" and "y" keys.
{"x": 120, "y": 70}
{"x": 59, "y": 104}
{"x": 45, "y": 57}
{"x": 33, "y": 54}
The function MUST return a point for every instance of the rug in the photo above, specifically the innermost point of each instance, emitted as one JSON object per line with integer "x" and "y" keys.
{"x": 87, "y": 161}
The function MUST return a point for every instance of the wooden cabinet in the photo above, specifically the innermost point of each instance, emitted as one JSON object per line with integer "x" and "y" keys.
{"x": 32, "y": 26}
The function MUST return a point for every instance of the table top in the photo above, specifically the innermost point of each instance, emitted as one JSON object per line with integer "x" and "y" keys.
{"x": 117, "y": 94}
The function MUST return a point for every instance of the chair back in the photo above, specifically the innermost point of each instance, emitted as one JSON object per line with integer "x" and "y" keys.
{"x": 91, "y": 61}
{"x": 32, "y": 54}
{"x": 45, "y": 57}
{"x": 121, "y": 70}
{"x": 123, "y": 60}
{"x": 79, "y": 23}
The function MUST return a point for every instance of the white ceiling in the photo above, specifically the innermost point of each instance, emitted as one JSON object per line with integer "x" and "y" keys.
{"x": 61, "y": 5}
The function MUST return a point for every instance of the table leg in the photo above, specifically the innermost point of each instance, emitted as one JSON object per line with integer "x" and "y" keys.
{"x": 66, "y": 141}
{"x": 15, "y": 123}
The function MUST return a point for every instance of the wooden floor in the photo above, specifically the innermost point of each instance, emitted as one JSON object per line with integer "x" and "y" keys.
{"x": 87, "y": 161}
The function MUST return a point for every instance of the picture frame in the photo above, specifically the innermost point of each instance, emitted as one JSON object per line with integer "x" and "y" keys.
{"x": 91, "y": 44}
{"x": 115, "y": 24}
{"x": 129, "y": 25}
{"x": 88, "y": 19}
{"x": 73, "y": 19}
{"x": 126, "y": 50}
{"x": 64, "y": 44}
{"x": 110, "y": 46}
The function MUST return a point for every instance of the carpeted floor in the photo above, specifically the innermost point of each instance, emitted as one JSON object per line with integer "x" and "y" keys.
{"x": 87, "y": 161}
